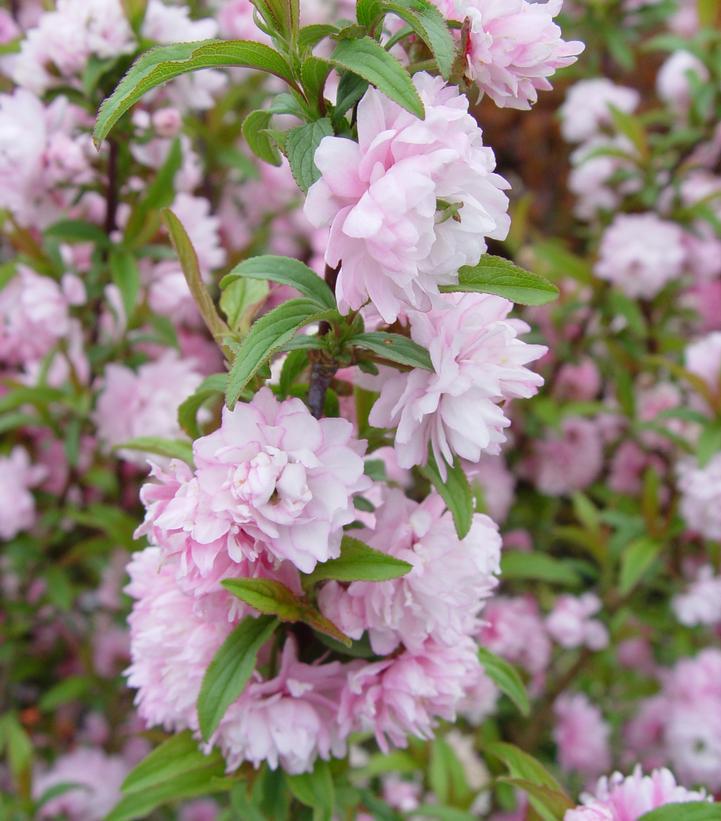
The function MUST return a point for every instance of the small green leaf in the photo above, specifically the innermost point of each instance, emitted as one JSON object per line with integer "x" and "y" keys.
{"x": 126, "y": 276}
{"x": 369, "y": 60}
{"x": 69, "y": 689}
{"x": 230, "y": 669}
{"x": 430, "y": 25}
{"x": 77, "y": 231}
{"x": 260, "y": 142}
{"x": 517, "y": 564}
{"x": 455, "y": 492}
{"x": 275, "y": 599}
{"x": 496, "y": 275}
{"x": 211, "y": 386}
{"x": 553, "y": 801}
{"x": 171, "y": 448}
{"x": 709, "y": 443}
{"x": 690, "y": 811}
{"x": 636, "y": 560}
{"x": 266, "y": 337}
{"x": 351, "y": 89}
{"x": 394, "y": 348}
{"x": 314, "y": 73}
{"x": 157, "y": 66}
{"x": 159, "y": 194}
{"x": 358, "y": 562}
{"x": 506, "y": 677}
{"x": 315, "y": 789}
{"x": 241, "y": 301}
{"x": 525, "y": 767}
{"x": 300, "y": 147}
{"x": 286, "y": 271}
{"x": 191, "y": 270}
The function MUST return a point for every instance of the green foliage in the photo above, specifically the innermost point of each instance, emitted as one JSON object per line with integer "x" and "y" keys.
{"x": 505, "y": 676}
{"x": 455, "y": 492}
{"x": 394, "y": 348}
{"x": 496, "y": 275}
{"x": 358, "y": 562}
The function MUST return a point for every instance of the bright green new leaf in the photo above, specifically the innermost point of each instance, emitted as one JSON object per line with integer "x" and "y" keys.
{"x": 506, "y": 677}
{"x": 358, "y": 562}
{"x": 211, "y": 386}
{"x": 394, "y": 348}
{"x": 171, "y": 448}
{"x": 286, "y": 271}
{"x": 690, "y": 811}
{"x": 496, "y": 275}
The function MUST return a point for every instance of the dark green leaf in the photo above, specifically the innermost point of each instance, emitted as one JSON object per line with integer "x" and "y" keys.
{"x": 636, "y": 560}
{"x": 255, "y": 127}
{"x": 77, "y": 231}
{"x": 230, "y": 669}
{"x": 295, "y": 363}
{"x": 556, "y": 803}
{"x": 496, "y": 275}
{"x": 455, "y": 492}
{"x": 300, "y": 147}
{"x": 394, "y": 348}
{"x": 505, "y": 676}
{"x": 358, "y": 562}
{"x": 286, "y": 271}
{"x": 430, "y": 25}
{"x": 211, "y": 386}
{"x": 157, "y": 66}
{"x": 159, "y": 194}
{"x": 126, "y": 276}
{"x": 315, "y": 789}
{"x": 350, "y": 90}
{"x": 369, "y": 60}
{"x": 69, "y": 689}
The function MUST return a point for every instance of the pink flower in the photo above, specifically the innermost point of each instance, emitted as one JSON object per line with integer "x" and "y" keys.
{"x": 410, "y": 203}
{"x": 236, "y": 21}
{"x": 673, "y": 83}
{"x": 579, "y": 382}
{"x": 406, "y": 695}
{"x": 289, "y": 720}
{"x": 586, "y": 110}
{"x": 270, "y": 479}
{"x": 640, "y": 254}
{"x": 496, "y": 483}
{"x": 478, "y": 363}
{"x": 581, "y": 735}
{"x": 513, "y": 628}
{"x": 703, "y": 358}
{"x": 570, "y": 623}
{"x": 700, "y": 489}
{"x": 17, "y": 505}
{"x": 97, "y": 778}
{"x": 441, "y": 597}
{"x": 567, "y": 461}
{"x": 144, "y": 403}
{"x": 627, "y": 799}
{"x": 513, "y": 48}
{"x": 701, "y": 603}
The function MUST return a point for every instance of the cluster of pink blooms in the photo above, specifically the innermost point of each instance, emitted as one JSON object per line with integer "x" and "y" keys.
{"x": 581, "y": 736}
{"x": 570, "y": 623}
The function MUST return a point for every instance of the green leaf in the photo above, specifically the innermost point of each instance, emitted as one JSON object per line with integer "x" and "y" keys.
{"x": 358, "y": 562}
{"x": 171, "y": 448}
{"x": 126, "y": 276}
{"x": 496, "y": 275}
{"x": 369, "y": 60}
{"x": 275, "y": 599}
{"x": 69, "y": 689}
{"x": 446, "y": 774}
{"x": 230, "y": 669}
{"x": 505, "y": 676}
{"x": 157, "y": 66}
{"x": 300, "y": 147}
{"x": 516, "y": 564}
{"x": 315, "y": 789}
{"x": 525, "y": 767}
{"x": 314, "y": 73}
{"x": 555, "y": 802}
{"x": 135, "y": 12}
{"x": 77, "y": 231}
{"x": 159, "y": 194}
{"x": 630, "y": 126}
{"x": 690, "y": 811}
{"x": 267, "y": 336}
{"x": 175, "y": 770}
{"x": 191, "y": 270}
{"x": 455, "y": 492}
{"x": 286, "y": 271}
{"x": 310, "y": 36}
{"x": 636, "y": 560}
{"x": 260, "y": 142}
{"x": 709, "y": 443}
{"x": 211, "y": 386}
{"x": 295, "y": 363}
{"x": 443, "y": 813}
{"x": 241, "y": 301}
{"x": 430, "y": 25}
{"x": 351, "y": 89}
{"x": 394, "y": 348}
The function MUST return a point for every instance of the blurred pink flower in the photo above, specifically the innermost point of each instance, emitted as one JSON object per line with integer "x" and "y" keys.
{"x": 569, "y": 460}
{"x": 700, "y": 489}
{"x": 700, "y": 603}
{"x": 581, "y": 735}
{"x": 17, "y": 505}
{"x": 570, "y": 623}
{"x": 587, "y": 111}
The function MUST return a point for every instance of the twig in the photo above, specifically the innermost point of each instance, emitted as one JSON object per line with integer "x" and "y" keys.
{"x": 322, "y": 369}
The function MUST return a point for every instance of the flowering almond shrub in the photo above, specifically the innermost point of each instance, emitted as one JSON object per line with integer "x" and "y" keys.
{"x": 360, "y": 404}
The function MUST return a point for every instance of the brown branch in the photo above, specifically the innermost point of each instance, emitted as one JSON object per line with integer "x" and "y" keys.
{"x": 323, "y": 368}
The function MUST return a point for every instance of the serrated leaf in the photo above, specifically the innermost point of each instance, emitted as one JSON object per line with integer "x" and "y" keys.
{"x": 369, "y": 60}
{"x": 175, "y": 770}
{"x": 314, "y": 789}
{"x": 689, "y": 811}
{"x": 170, "y": 448}
{"x": 300, "y": 147}
{"x": 525, "y": 767}
{"x": 359, "y": 562}
{"x": 126, "y": 276}
{"x": 635, "y": 561}
{"x": 286, "y": 271}
{"x": 430, "y": 25}
{"x": 275, "y": 599}
{"x": 310, "y": 36}
{"x": 394, "y": 348}
{"x": 157, "y": 66}
{"x": 256, "y": 135}
{"x": 230, "y": 670}
{"x": 267, "y": 336}
{"x": 455, "y": 492}
{"x": 516, "y": 564}
{"x": 505, "y": 676}
{"x": 496, "y": 275}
